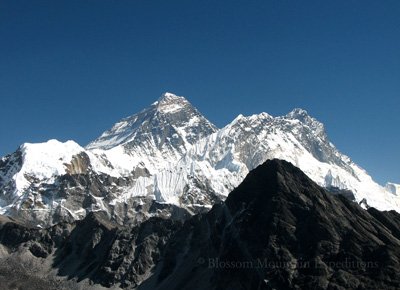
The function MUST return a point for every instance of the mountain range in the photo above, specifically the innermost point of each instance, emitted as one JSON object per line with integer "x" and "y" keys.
{"x": 169, "y": 161}
{"x": 277, "y": 230}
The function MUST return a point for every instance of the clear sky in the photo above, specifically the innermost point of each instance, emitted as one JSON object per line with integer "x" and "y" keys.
{"x": 70, "y": 69}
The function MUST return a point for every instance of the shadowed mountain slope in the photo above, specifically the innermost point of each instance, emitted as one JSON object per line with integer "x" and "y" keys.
{"x": 280, "y": 230}
{"x": 277, "y": 230}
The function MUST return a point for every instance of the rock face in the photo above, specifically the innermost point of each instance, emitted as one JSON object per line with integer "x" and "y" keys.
{"x": 277, "y": 230}
{"x": 169, "y": 154}
{"x": 93, "y": 249}
{"x": 280, "y": 230}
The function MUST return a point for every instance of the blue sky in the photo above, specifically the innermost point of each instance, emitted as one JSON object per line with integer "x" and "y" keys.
{"x": 70, "y": 69}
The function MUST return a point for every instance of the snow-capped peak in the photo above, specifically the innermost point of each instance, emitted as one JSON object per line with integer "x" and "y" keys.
{"x": 252, "y": 119}
{"x": 170, "y": 97}
{"x": 298, "y": 112}
{"x": 303, "y": 116}
{"x": 238, "y": 119}
{"x": 44, "y": 160}
{"x": 171, "y": 123}
{"x": 169, "y": 103}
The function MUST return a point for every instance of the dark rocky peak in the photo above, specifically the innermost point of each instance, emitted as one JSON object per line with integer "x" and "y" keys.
{"x": 272, "y": 180}
{"x": 279, "y": 230}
